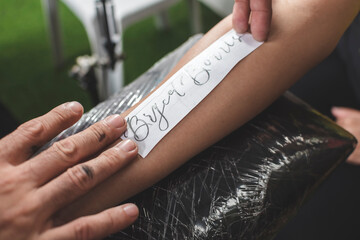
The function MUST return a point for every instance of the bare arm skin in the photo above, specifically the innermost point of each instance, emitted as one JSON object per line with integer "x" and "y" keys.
{"x": 303, "y": 32}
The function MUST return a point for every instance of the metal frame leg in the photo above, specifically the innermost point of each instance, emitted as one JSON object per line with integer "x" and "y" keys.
{"x": 50, "y": 8}
{"x": 195, "y": 16}
{"x": 162, "y": 20}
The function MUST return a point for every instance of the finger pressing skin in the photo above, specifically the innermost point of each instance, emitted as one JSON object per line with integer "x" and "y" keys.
{"x": 354, "y": 158}
{"x": 96, "y": 226}
{"x": 261, "y": 12}
{"x": 79, "y": 179}
{"x": 342, "y": 112}
{"x": 24, "y": 141}
{"x": 351, "y": 124}
{"x": 68, "y": 152}
{"x": 241, "y": 12}
{"x": 349, "y": 119}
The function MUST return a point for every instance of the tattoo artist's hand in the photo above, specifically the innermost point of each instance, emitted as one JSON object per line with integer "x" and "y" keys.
{"x": 349, "y": 119}
{"x": 33, "y": 189}
{"x": 260, "y": 20}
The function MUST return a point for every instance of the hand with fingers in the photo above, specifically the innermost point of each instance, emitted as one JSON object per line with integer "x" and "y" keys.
{"x": 349, "y": 119}
{"x": 257, "y": 12}
{"x": 33, "y": 189}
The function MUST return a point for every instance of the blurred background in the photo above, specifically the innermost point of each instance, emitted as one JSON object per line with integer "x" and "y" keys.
{"x": 29, "y": 83}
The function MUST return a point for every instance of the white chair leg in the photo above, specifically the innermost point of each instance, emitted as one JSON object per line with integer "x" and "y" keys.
{"x": 115, "y": 77}
{"x": 109, "y": 81}
{"x": 195, "y": 16}
{"x": 162, "y": 20}
{"x": 50, "y": 8}
{"x": 97, "y": 49}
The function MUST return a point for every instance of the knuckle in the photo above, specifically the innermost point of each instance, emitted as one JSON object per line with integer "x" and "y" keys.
{"x": 60, "y": 113}
{"x": 11, "y": 181}
{"x": 111, "y": 222}
{"x": 31, "y": 172}
{"x": 79, "y": 177}
{"x": 112, "y": 158}
{"x": 83, "y": 230}
{"x": 32, "y": 129}
{"x": 99, "y": 131}
{"x": 66, "y": 147}
{"x": 263, "y": 11}
{"x": 31, "y": 207}
{"x": 22, "y": 215}
{"x": 8, "y": 184}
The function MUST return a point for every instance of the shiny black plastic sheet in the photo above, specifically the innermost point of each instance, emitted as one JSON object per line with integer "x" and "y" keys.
{"x": 247, "y": 185}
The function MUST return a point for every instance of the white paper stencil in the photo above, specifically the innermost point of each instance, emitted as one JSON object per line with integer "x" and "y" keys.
{"x": 170, "y": 103}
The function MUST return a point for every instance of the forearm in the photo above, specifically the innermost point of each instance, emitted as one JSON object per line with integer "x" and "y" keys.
{"x": 302, "y": 34}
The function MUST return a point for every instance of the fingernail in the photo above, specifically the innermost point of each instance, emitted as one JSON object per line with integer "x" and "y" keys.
{"x": 260, "y": 39}
{"x": 263, "y": 38}
{"x": 131, "y": 210}
{"x": 126, "y": 145}
{"x": 74, "y": 106}
{"x": 259, "y": 35}
{"x": 115, "y": 121}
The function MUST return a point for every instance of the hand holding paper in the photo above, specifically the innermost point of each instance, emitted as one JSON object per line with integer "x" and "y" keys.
{"x": 168, "y": 105}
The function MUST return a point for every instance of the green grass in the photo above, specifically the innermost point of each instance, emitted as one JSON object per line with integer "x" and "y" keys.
{"x": 29, "y": 85}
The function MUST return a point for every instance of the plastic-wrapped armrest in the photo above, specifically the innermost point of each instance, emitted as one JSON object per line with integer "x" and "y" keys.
{"x": 247, "y": 185}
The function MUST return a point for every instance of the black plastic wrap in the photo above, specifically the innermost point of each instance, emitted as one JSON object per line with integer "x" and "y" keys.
{"x": 247, "y": 185}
